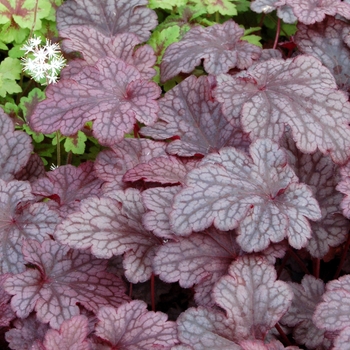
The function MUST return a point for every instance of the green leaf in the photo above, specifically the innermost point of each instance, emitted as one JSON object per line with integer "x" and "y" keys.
{"x": 160, "y": 40}
{"x": 224, "y": 7}
{"x": 76, "y": 143}
{"x": 37, "y": 136}
{"x": 252, "y": 39}
{"x": 27, "y": 104}
{"x": 166, "y": 4}
{"x": 23, "y": 12}
{"x": 10, "y": 70}
{"x": 242, "y": 5}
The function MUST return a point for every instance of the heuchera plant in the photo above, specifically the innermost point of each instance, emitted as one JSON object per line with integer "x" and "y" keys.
{"x": 214, "y": 211}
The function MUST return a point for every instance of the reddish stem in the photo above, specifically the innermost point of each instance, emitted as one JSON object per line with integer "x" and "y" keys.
{"x": 299, "y": 261}
{"x": 283, "y": 335}
{"x": 136, "y": 131}
{"x": 316, "y": 267}
{"x": 343, "y": 257}
{"x": 153, "y": 302}
{"x": 278, "y": 31}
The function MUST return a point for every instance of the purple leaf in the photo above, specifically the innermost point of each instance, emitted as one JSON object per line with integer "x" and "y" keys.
{"x": 68, "y": 185}
{"x": 259, "y": 195}
{"x": 219, "y": 46}
{"x": 71, "y": 336}
{"x": 344, "y": 187}
{"x": 252, "y": 298}
{"x": 253, "y": 302}
{"x": 6, "y": 313}
{"x": 133, "y": 327}
{"x": 311, "y": 11}
{"x": 119, "y": 220}
{"x": 165, "y": 170}
{"x": 15, "y": 148}
{"x": 112, "y": 93}
{"x": 324, "y": 41}
{"x": 27, "y": 333}
{"x": 306, "y": 297}
{"x": 19, "y": 220}
{"x": 62, "y": 278}
{"x": 342, "y": 340}
{"x": 189, "y": 112}
{"x": 284, "y": 12}
{"x": 333, "y": 313}
{"x": 299, "y": 92}
{"x": 322, "y": 175}
{"x": 112, "y": 164}
{"x": 108, "y": 16}
{"x": 158, "y": 201}
{"x": 33, "y": 170}
{"x": 94, "y": 45}
{"x": 200, "y": 258}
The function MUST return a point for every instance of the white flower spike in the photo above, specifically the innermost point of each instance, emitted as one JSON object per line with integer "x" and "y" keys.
{"x": 43, "y": 61}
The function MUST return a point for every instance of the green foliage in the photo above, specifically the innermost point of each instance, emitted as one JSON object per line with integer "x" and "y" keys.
{"x": 76, "y": 143}
{"x": 224, "y": 7}
{"x": 10, "y": 70}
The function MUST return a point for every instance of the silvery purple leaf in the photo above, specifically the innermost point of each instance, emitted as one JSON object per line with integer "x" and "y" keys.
{"x": 112, "y": 93}
{"x": 95, "y": 45}
{"x": 284, "y": 11}
{"x": 33, "y": 170}
{"x": 260, "y": 195}
{"x": 299, "y": 92}
{"x": 108, "y": 16}
{"x": 15, "y": 148}
{"x": 299, "y": 315}
{"x": 6, "y": 312}
{"x": 189, "y": 112}
{"x": 311, "y": 11}
{"x": 131, "y": 326}
{"x": 61, "y": 279}
{"x": 324, "y": 41}
{"x": 21, "y": 219}
{"x": 119, "y": 220}
{"x": 112, "y": 164}
{"x": 68, "y": 185}
{"x": 219, "y": 46}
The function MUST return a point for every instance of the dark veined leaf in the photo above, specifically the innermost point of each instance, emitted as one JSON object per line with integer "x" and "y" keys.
{"x": 324, "y": 41}
{"x": 68, "y": 185}
{"x": 219, "y": 46}
{"x": 260, "y": 196}
{"x": 311, "y": 11}
{"x": 299, "y": 92}
{"x": 322, "y": 175}
{"x": 111, "y": 93}
{"x": 119, "y": 222}
{"x": 94, "y": 45}
{"x": 6, "y": 312}
{"x": 112, "y": 164}
{"x": 108, "y": 16}
{"x": 61, "y": 279}
{"x": 189, "y": 112}
{"x": 131, "y": 327}
{"x": 284, "y": 11}
{"x": 253, "y": 302}
{"x": 15, "y": 148}
{"x": 21, "y": 219}
{"x": 306, "y": 297}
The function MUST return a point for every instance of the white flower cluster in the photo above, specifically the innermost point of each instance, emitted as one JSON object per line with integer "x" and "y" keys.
{"x": 42, "y": 61}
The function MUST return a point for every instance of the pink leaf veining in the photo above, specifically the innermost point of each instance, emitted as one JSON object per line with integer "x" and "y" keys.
{"x": 110, "y": 17}
{"x": 284, "y": 11}
{"x": 131, "y": 326}
{"x": 259, "y": 195}
{"x": 299, "y": 92}
{"x": 6, "y": 312}
{"x": 219, "y": 46}
{"x": 189, "y": 112}
{"x": 62, "y": 278}
{"x": 111, "y": 93}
